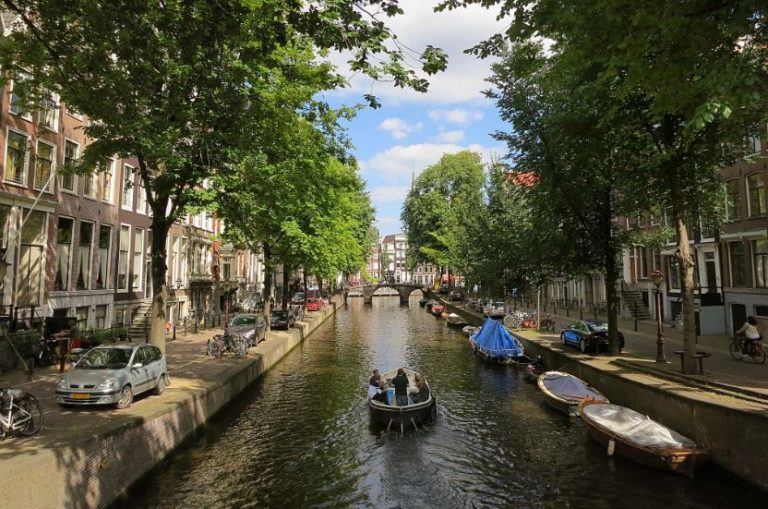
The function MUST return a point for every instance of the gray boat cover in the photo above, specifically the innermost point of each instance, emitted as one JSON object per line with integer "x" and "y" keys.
{"x": 569, "y": 387}
{"x": 635, "y": 427}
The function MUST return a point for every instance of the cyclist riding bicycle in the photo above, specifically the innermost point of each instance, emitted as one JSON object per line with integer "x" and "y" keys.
{"x": 750, "y": 333}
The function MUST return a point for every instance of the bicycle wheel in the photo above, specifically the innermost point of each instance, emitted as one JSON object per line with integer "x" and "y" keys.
{"x": 29, "y": 410}
{"x": 240, "y": 347}
{"x": 758, "y": 354}
{"x": 508, "y": 322}
{"x": 735, "y": 350}
{"x": 214, "y": 348}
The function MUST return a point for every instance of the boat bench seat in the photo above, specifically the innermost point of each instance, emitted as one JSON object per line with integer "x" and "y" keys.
{"x": 699, "y": 356}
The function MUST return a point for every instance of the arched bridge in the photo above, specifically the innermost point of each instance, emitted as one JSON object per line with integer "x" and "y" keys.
{"x": 403, "y": 289}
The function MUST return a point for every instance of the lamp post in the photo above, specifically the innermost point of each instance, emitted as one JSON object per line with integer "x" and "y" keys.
{"x": 658, "y": 279}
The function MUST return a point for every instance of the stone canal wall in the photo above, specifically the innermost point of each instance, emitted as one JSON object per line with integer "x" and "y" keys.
{"x": 95, "y": 464}
{"x": 731, "y": 428}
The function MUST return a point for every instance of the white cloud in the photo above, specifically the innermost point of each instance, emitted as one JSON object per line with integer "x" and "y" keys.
{"x": 389, "y": 194}
{"x": 450, "y": 136}
{"x": 398, "y": 164}
{"x": 388, "y": 224}
{"x": 398, "y": 127}
{"x": 454, "y": 32}
{"x": 455, "y": 116}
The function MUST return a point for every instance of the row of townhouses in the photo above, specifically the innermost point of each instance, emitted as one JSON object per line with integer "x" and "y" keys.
{"x": 731, "y": 272}
{"x": 387, "y": 262}
{"x": 78, "y": 246}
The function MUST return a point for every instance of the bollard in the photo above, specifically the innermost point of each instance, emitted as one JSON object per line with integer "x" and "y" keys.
{"x": 185, "y": 327}
{"x": 581, "y": 314}
{"x": 567, "y": 311}
{"x": 635, "y": 324}
{"x": 195, "y": 325}
{"x": 174, "y": 332}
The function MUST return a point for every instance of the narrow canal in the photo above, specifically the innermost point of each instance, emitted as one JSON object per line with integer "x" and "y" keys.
{"x": 300, "y": 437}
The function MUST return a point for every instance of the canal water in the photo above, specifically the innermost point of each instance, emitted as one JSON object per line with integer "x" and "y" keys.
{"x": 301, "y": 436}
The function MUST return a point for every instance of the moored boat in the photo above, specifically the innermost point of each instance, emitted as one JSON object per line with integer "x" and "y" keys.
{"x": 429, "y": 304}
{"x": 564, "y": 392}
{"x": 637, "y": 437}
{"x": 468, "y": 330}
{"x": 494, "y": 343}
{"x": 389, "y": 414}
{"x": 454, "y": 320}
{"x": 423, "y": 301}
{"x": 437, "y": 308}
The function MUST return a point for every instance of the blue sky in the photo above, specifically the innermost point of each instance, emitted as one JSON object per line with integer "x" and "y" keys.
{"x": 412, "y": 131}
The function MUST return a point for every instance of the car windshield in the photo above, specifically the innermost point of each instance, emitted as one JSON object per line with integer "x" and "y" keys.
{"x": 298, "y": 296}
{"x": 243, "y": 320}
{"x": 105, "y": 358}
{"x": 279, "y": 314}
{"x": 597, "y": 326}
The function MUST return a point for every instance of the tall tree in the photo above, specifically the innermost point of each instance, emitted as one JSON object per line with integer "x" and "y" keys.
{"x": 182, "y": 86}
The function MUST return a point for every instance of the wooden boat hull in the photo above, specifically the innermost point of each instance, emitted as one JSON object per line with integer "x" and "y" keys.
{"x": 569, "y": 407}
{"x": 403, "y": 417}
{"x": 682, "y": 460}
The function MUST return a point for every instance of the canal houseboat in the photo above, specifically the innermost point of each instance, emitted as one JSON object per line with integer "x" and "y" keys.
{"x": 632, "y": 435}
{"x": 388, "y": 413}
{"x": 564, "y": 392}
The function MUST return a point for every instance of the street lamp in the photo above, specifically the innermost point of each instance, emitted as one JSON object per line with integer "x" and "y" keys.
{"x": 658, "y": 279}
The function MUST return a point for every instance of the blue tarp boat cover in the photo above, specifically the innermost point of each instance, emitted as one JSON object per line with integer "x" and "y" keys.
{"x": 494, "y": 340}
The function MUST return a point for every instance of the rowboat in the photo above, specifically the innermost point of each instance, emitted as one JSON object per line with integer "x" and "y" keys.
{"x": 423, "y": 301}
{"x": 494, "y": 343}
{"x": 387, "y": 413}
{"x": 564, "y": 392}
{"x": 437, "y": 309}
{"x": 468, "y": 330}
{"x": 637, "y": 437}
{"x": 454, "y": 320}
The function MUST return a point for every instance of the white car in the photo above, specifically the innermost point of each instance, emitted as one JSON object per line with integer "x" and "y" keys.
{"x": 113, "y": 375}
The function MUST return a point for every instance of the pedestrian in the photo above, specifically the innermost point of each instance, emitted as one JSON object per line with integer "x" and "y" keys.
{"x": 400, "y": 382}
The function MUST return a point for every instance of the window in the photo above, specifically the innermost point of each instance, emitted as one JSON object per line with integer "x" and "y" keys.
{"x": 17, "y": 96}
{"x": 63, "y": 253}
{"x": 738, "y": 264}
{"x": 106, "y": 187}
{"x": 85, "y": 253}
{"x": 105, "y": 244}
{"x": 15, "y": 157}
{"x": 44, "y": 165}
{"x": 673, "y": 271}
{"x": 82, "y": 318}
{"x": 138, "y": 257}
{"x": 756, "y": 194}
{"x": 732, "y": 199}
{"x": 68, "y": 179}
{"x": 101, "y": 317}
{"x": 226, "y": 268}
{"x": 90, "y": 185}
{"x": 173, "y": 267}
{"x": 49, "y": 113}
{"x": 122, "y": 261}
{"x": 127, "y": 187}
{"x": 760, "y": 252}
{"x": 183, "y": 264}
{"x": 30, "y": 271}
{"x": 142, "y": 205}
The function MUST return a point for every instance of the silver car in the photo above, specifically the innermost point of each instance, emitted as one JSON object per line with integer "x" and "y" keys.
{"x": 113, "y": 374}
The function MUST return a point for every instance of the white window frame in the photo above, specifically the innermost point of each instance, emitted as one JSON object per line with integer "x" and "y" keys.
{"x": 143, "y": 203}
{"x": 56, "y": 112}
{"x": 127, "y": 286}
{"x": 129, "y": 172}
{"x": 109, "y": 190}
{"x": 749, "y": 195}
{"x": 49, "y": 181}
{"x": 25, "y": 168}
{"x": 64, "y": 162}
{"x": 19, "y": 112}
{"x": 108, "y": 254}
{"x": 88, "y": 273}
{"x": 138, "y": 265}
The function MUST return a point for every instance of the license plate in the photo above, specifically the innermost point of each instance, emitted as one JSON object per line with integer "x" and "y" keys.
{"x": 77, "y": 395}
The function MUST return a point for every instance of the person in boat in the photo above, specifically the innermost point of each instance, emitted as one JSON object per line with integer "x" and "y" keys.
{"x": 420, "y": 393}
{"x": 749, "y": 332}
{"x": 374, "y": 384}
{"x": 400, "y": 382}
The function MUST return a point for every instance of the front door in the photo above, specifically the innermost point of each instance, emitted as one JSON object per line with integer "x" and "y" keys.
{"x": 738, "y": 316}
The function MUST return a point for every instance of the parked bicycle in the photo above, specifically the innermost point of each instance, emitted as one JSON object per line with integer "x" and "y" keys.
{"x": 224, "y": 343}
{"x": 547, "y": 323}
{"x": 739, "y": 347}
{"x": 515, "y": 320}
{"x": 20, "y": 413}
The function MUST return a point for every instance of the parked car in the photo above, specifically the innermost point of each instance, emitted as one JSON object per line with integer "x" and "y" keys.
{"x": 281, "y": 319}
{"x": 113, "y": 375}
{"x": 495, "y": 309}
{"x": 314, "y": 304}
{"x": 588, "y": 336}
{"x": 298, "y": 312}
{"x": 250, "y": 326}
{"x": 298, "y": 298}
{"x": 481, "y": 304}
{"x": 445, "y": 288}
{"x": 456, "y": 295}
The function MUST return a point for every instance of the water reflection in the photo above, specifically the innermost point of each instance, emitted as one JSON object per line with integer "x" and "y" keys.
{"x": 301, "y": 437}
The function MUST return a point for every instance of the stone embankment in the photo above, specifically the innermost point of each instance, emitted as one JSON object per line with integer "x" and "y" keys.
{"x": 87, "y": 457}
{"x": 717, "y": 410}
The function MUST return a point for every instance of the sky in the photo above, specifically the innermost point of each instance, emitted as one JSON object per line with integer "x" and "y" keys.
{"x": 411, "y": 130}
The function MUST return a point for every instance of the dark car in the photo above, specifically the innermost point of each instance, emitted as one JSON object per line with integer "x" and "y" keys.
{"x": 445, "y": 288}
{"x": 456, "y": 295}
{"x": 588, "y": 336}
{"x": 281, "y": 319}
{"x": 250, "y": 326}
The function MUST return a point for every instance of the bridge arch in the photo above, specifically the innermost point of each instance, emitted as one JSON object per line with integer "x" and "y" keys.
{"x": 404, "y": 290}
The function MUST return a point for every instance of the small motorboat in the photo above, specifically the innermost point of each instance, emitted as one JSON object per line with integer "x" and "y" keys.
{"x": 468, "y": 330}
{"x": 437, "y": 309}
{"x": 494, "y": 343}
{"x": 454, "y": 320}
{"x": 423, "y": 301}
{"x": 564, "y": 392}
{"x": 429, "y": 304}
{"x": 387, "y": 413}
{"x": 637, "y": 437}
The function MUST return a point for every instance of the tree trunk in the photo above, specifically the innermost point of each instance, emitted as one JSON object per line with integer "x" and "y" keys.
{"x": 683, "y": 254}
{"x": 268, "y": 275}
{"x": 611, "y": 274}
{"x": 306, "y": 293}
{"x": 286, "y": 285}
{"x": 160, "y": 227}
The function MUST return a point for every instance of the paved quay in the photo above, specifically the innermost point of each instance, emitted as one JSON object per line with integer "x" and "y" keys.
{"x": 86, "y": 457}
{"x": 725, "y": 409}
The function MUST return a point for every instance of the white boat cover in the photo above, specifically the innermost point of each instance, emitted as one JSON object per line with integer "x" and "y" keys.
{"x": 453, "y": 315}
{"x": 635, "y": 427}
{"x": 569, "y": 387}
